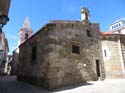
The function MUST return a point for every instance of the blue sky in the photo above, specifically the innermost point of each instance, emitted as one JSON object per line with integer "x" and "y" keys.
{"x": 41, "y": 11}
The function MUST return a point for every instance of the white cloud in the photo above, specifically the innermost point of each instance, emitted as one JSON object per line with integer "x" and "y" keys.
{"x": 69, "y": 7}
{"x": 12, "y": 36}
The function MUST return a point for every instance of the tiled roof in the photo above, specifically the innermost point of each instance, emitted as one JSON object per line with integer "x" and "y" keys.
{"x": 106, "y": 33}
{"x": 110, "y": 33}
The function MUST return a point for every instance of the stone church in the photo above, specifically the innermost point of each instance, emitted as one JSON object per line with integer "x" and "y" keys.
{"x": 62, "y": 53}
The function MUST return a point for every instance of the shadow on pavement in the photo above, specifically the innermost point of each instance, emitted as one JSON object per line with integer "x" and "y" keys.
{"x": 9, "y": 84}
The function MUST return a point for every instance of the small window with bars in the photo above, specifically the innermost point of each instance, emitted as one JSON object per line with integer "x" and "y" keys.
{"x": 34, "y": 54}
{"x": 105, "y": 53}
{"x": 75, "y": 49}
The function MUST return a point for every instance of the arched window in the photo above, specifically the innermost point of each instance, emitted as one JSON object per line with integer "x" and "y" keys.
{"x": 26, "y": 36}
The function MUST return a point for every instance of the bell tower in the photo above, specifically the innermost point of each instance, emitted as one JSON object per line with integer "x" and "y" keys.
{"x": 25, "y": 32}
{"x": 85, "y": 15}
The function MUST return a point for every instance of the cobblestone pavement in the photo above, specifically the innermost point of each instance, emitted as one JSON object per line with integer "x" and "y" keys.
{"x": 8, "y": 84}
{"x": 106, "y": 86}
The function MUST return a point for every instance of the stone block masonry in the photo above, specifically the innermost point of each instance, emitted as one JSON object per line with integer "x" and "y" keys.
{"x": 62, "y": 53}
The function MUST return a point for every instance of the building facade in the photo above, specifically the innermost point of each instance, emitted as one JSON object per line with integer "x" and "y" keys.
{"x": 4, "y": 49}
{"x": 113, "y": 47}
{"x": 7, "y": 69}
{"x": 62, "y": 53}
{"x": 15, "y": 61}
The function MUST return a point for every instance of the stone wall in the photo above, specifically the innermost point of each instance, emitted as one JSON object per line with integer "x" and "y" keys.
{"x": 56, "y": 64}
{"x": 113, "y": 59}
{"x": 15, "y": 61}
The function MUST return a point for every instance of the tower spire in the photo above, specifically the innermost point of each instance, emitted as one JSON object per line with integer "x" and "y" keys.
{"x": 85, "y": 15}
{"x": 26, "y": 23}
{"x": 25, "y": 32}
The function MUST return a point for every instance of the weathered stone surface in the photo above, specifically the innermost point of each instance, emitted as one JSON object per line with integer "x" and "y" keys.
{"x": 55, "y": 64}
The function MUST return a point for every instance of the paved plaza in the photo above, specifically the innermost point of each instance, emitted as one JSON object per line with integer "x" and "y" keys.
{"x": 9, "y": 84}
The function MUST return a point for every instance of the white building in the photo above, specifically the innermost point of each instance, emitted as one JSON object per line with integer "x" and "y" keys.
{"x": 118, "y": 26}
{"x": 4, "y": 49}
{"x": 113, "y": 47}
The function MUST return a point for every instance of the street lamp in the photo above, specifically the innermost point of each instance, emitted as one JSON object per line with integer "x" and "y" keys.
{"x": 4, "y": 9}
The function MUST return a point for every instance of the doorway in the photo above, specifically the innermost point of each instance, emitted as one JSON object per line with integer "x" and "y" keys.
{"x": 98, "y": 68}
